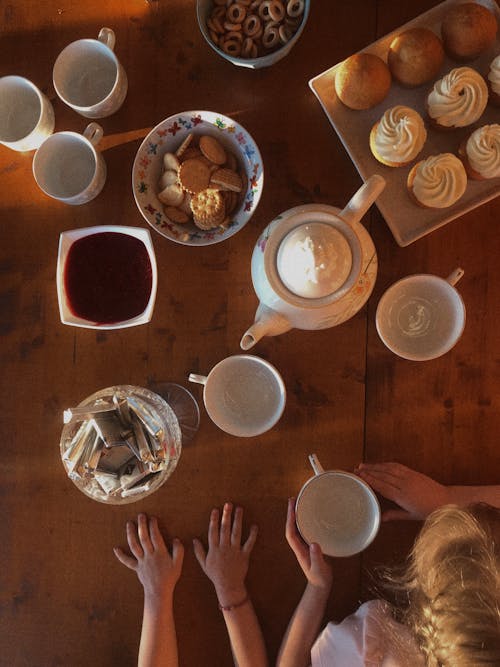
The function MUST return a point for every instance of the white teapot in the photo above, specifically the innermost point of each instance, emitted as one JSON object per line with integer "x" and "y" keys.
{"x": 313, "y": 266}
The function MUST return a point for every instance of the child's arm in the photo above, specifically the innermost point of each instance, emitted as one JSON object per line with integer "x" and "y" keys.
{"x": 158, "y": 572}
{"x": 417, "y": 494}
{"x": 295, "y": 650}
{"x": 226, "y": 565}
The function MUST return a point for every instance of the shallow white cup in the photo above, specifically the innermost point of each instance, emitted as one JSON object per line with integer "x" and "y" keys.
{"x": 26, "y": 115}
{"x": 89, "y": 78}
{"x": 421, "y": 317}
{"x": 337, "y": 510}
{"x": 67, "y": 166}
{"x": 243, "y": 394}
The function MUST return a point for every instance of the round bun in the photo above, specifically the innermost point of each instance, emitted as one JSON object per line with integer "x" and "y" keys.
{"x": 467, "y": 30}
{"x": 362, "y": 81}
{"x": 415, "y": 56}
{"x": 493, "y": 81}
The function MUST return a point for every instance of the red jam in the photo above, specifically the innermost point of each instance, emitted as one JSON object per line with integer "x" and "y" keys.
{"x": 108, "y": 277}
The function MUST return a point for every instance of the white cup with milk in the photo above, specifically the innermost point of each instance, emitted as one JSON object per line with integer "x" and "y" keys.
{"x": 337, "y": 510}
{"x": 89, "y": 78}
{"x": 26, "y": 115}
{"x": 243, "y": 394}
{"x": 68, "y": 167}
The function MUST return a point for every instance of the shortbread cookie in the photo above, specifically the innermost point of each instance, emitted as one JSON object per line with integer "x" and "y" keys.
{"x": 172, "y": 195}
{"x": 227, "y": 179}
{"x": 190, "y": 153}
{"x": 212, "y": 149}
{"x": 194, "y": 175}
{"x": 208, "y": 209}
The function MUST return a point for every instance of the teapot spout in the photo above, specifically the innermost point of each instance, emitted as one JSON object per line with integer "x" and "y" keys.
{"x": 267, "y": 323}
{"x": 363, "y": 199}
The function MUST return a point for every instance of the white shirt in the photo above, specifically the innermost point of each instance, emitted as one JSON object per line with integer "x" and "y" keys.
{"x": 368, "y": 638}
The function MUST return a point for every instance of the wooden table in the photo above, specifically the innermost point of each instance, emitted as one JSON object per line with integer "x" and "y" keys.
{"x": 64, "y": 598}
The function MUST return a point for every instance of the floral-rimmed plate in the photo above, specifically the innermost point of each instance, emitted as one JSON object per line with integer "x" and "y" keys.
{"x": 167, "y": 136}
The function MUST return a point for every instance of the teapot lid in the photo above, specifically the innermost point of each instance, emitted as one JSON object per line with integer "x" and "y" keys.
{"x": 314, "y": 260}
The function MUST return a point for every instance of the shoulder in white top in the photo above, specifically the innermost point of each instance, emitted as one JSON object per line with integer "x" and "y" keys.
{"x": 368, "y": 638}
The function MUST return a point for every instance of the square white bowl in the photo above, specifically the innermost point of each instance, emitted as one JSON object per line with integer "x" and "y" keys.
{"x": 66, "y": 240}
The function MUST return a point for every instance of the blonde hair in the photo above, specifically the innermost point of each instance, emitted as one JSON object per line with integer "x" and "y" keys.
{"x": 452, "y": 587}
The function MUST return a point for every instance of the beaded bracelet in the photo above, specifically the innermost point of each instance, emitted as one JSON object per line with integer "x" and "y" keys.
{"x": 230, "y": 607}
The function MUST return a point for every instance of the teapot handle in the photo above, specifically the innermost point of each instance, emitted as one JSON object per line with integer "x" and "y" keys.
{"x": 363, "y": 199}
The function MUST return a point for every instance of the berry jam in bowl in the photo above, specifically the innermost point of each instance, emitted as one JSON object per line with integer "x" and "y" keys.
{"x": 106, "y": 277}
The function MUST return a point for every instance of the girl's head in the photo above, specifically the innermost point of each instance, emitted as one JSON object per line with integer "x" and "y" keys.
{"x": 453, "y": 586}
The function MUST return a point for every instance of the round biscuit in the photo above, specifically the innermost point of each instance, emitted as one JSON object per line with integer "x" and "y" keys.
{"x": 208, "y": 208}
{"x": 175, "y": 214}
{"x": 228, "y": 179}
{"x": 194, "y": 175}
{"x": 212, "y": 149}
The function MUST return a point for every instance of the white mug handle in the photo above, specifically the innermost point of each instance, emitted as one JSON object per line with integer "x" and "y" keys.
{"x": 455, "y": 276}
{"x": 316, "y": 465}
{"x": 107, "y": 37}
{"x": 200, "y": 379}
{"x": 93, "y": 132}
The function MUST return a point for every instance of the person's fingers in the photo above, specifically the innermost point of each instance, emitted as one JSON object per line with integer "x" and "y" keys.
{"x": 177, "y": 554}
{"x": 133, "y": 541}
{"x": 381, "y": 484}
{"x": 156, "y": 536}
{"x": 237, "y": 527}
{"x": 200, "y": 553}
{"x": 251, "y": 539}
{"x": 225, "y": 524}
{"x": 316, "y": 556}
{"x": 290, "y": 527}
{"x": 143, "y": 531}
{"x": 128, "y": 561}
{"x": 398, "y": 515}
{"x": 213, "y": 529}
{"x": 397, "y": 470}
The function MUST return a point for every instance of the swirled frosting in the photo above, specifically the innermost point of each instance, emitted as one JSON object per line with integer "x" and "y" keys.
{"x": 439, "y": 181}
{"x": 459, "y": 98}
{"x": 494, "y": 75}
{"x": 400, "y": 135}
{"x": 483, "y": 151}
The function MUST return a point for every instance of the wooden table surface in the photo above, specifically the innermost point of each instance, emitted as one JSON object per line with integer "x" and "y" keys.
{"x": 65, "y": 600}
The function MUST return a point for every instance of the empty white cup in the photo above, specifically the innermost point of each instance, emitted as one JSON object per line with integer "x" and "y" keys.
{"x": 421, "y": 317}
{"x": 337, "y": 510}
{"x": 243, "y": 394}
{"x": 67, "y": 166}
{"x": 89, "y": 78}
{"x": 26, "y": 115}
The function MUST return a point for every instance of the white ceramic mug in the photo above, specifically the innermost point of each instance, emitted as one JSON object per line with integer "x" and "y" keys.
{"x": 243, "y": 394}
{"x": 337, "y": 510}
{"x": 422, "y": 316}
{"x": 67, "y": 166}
{"x": 89, "y": 78}
{"x": 26, "y": 115}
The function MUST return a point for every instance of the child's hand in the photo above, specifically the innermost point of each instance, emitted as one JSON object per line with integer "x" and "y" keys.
{"x": 226, "y": 562}
{"x": 157, "y": 570}
{"x": 317, "y": 570}
{"x": 417, "y": 494}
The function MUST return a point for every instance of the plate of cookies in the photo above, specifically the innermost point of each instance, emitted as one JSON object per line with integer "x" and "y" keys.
{"x": 197, "y": 177}
{"x": 421, "y": 108}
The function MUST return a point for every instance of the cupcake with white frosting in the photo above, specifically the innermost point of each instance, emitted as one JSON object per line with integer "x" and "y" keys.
{"x": 438, "y": 181}
{"x": 398, "y": 137}
{"x": 458, "y": 99}
{"x": 494, "y": 82}
{"x": 480, "y": 153}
